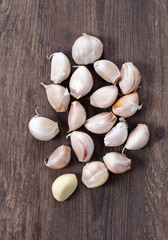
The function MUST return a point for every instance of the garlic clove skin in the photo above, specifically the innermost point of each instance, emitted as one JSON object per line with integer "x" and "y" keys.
{"x": 60, "y": 67}
{"x": 86, "y": 49}
{"x": 104, "y": 97}
{"x": 138, "y": 138}
{"x": 117, "y": 163}
{"x": 107, "y": 70}
{"x": 82, "y": 145}
{"x": 76, "y": 116}
{"x": 58, "y": 97}
{"x": 60, "y": 158}
{"x": 81, "y": 82}
{"x": 94, "y": 174}
{"x": 127, "y": 105}
{"x": 43, "y": 128}
{"x": 64, "y": 186}
{"x": 130, "y": 78}
{"x": 100, "y": 123}
{"x": 117, "y": 135}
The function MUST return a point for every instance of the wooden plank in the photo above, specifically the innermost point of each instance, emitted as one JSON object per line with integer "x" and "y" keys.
{"x": 129, "y": 206}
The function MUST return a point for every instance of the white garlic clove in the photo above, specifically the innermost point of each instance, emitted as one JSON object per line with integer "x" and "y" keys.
{"x": 107, "y": 70}
{"x": 81, "y": 82}
{"x": 86, "y": 49}
{"x": 76, "y": 116}
{"x": 100, "y": 123}
{"x": 116, "y": 162}
{"x": 130, "y": 78}
{"x": 60, "y": 67}
{"x": 59, "y": 158}
{"x": 94, "y": 174}
{"x": 104, "y": 97}
{"x": 64, "y": 186}
{"x": 58, "y": 97}
{"x": 138, "y": 138}
{"x": 43, "y": 128}
{"x": 117, "y": 135}
{"x": 127, "y": 105}
{"x": 82, "y": 145}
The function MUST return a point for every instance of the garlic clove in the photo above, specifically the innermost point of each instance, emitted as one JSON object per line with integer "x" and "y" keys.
{"x": 117, "y": 135}
{"x": 116, "y": 162}
{"x": 64, "y": 186}
{"x": 43, "y": 128}
{"x": 127, "y": 106}
{"x": 138, "y": 138}
{"x": 107, "y": 70}
{"x": 130, "y": 78}
{"x": 60, "y": 67}
{"x": 81, "y": 82}
{"x": 86, "y": 49}
{"x": 100, "y": 123}
{"x": 94, "y": 174}
{"x": 76, "y": 116}
{"x": 58, "y": 97}
{"x": 59, "y": 158}
{"x": 104, "y": 97}
{"x": 82, "y": 145}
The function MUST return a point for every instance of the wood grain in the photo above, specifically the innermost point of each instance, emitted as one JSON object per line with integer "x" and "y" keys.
{"x": 131, "y": 206}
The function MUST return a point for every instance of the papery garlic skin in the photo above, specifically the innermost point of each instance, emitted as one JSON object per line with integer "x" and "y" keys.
{"x": 81, "y": 82}
{"x": 82, "y": 145}
{"x": 107, "y": 70}
{"x": 138, "y": 138}
{"x": 64, "y": 186}
{"x": 130, "y": 78}
{"x": 104, "y": 97}
{"x": 86, "y": 49}
{"x": 43, "y": 128}
{"x": 116, "y": 162}
{"x": 94, "y": 174}
{"x": 127, "y": 105}
{"x": 76, "y": 116}
{"x": 100, "y": 123}
{"x": 60, "y": 67}
{"x": 58, "y": 97}
{"x": 117, "y": 135}
{"x": 60, "y": 158}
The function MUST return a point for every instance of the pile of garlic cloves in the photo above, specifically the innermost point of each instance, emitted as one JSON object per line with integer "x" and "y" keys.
{"x": 88, "y": 50}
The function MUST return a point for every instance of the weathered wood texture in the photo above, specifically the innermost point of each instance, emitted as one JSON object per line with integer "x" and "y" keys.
{"x": 131, "y": 206}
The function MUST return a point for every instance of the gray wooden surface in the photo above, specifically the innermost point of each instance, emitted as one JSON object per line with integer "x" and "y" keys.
{"x": 132, "y": 206}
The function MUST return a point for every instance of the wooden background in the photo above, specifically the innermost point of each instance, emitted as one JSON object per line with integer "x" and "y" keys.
{"x": 132, "y": 206}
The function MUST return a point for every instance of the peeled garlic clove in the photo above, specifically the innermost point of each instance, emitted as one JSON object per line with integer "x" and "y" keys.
{"x": 64, "y": 186}
{"x": 76, "y": 116}
{"x": 138, "y": 138}
{"x": 117, "y": 162}
{"x": 107, "y": 70}
{"x": 100, "y": 123}
{"x": 59, "y": 158}
{"x": 104, "y": 97}
{"x": 82, "y": 145}
{"x": 130, "y": 78}
{"x": 127, "y": 106}
{"x": 117, "y": 135}
{"x": 81, "y": 82}
{"x": 43, "y": 128}
{"x": 58, "y": 97}
{"x": 86, "y": 49}
{"x": 94, "y": 174}
{"x": 60, "y": 67}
